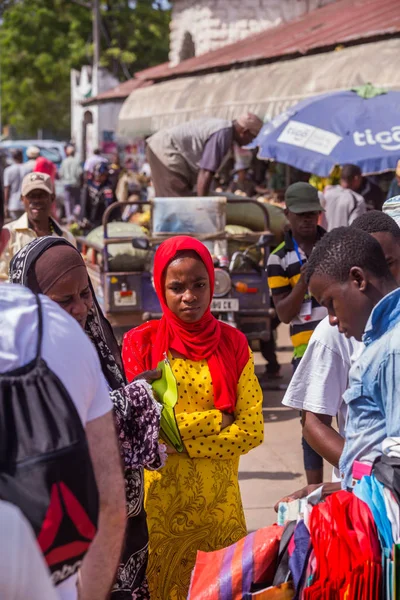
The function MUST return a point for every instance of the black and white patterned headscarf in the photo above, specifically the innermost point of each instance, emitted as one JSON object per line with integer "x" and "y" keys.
{"x": 137, "y": 418}
{"x": 97, "y": 327}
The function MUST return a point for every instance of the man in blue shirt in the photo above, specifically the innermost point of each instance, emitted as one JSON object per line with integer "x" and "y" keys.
{"x": 348, "y": 274}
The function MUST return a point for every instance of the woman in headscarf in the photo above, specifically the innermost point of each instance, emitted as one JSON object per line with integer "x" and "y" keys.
{"x": 193, "y": 503}
{"x": 52, "y": 266}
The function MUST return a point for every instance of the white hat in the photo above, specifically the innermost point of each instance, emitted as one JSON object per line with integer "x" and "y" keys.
{"x": 250, "y": 122}
{"x": 33, "y": 152}
{"x": 36, "y": 181}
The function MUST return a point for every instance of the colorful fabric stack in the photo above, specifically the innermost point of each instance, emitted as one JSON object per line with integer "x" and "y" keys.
{"x": 345, "y": 548}
{"x": 347, "y": 551}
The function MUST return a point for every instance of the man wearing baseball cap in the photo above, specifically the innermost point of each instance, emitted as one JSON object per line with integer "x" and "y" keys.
{"x": 37, "y": 195}
{"x": 286, "y": 280}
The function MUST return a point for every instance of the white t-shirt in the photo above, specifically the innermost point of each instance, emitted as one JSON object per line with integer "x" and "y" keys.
{"x": 342, "y": 206}
{"x": 67, "y": 351}
{"x": 23, "y": 571}
{"x": 92, "y": 161}
{"x": 322, "y": 376}
{"x": 13, "y": 176}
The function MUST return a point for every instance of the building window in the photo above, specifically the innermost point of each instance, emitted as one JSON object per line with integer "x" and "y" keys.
{"x": 188, "y": 48}
{"x": 88, "y": 117}
{"x": 87, "y": 134}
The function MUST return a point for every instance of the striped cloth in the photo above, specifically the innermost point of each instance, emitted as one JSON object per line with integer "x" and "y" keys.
{"x": 283, "y": 271}
{"x": 392, "y": 208}
{"x": 229, "y": 573}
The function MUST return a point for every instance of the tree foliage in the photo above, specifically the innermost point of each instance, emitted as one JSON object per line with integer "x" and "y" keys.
{"x": 42, "y": 40}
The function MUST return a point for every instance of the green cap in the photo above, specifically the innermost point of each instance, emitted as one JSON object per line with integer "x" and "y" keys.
{"x": 302, "y": 197}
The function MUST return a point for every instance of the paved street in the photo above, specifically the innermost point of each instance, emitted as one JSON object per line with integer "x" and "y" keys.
{"x": 275, "y": 468}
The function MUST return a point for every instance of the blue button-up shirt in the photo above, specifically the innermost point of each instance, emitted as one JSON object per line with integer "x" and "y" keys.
{"x": 373, "y": 396}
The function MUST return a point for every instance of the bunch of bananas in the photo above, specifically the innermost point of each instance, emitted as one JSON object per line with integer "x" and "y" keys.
{"x": 322, "y": 182}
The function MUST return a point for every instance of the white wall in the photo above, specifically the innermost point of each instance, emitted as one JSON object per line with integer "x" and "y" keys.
{"x": 215, "y": 23}
{"x": 83, "y": 86}
{"x": 108, "y": 118}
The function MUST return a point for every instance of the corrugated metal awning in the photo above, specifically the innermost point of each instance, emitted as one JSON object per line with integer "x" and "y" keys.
{"x": 338, "y": 22}
{"x": 266, "y": 90}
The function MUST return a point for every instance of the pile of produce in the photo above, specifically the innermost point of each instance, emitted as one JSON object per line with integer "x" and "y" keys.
{"x": 122, "y": 257}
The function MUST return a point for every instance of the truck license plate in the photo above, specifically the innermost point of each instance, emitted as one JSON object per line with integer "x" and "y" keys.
{"x": 225, "y": 305}
{"x": 127, "y": 298}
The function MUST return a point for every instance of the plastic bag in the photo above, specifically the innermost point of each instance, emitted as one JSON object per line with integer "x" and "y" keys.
{"x": 167, "y": 394}
{"x": 228, "y": 574}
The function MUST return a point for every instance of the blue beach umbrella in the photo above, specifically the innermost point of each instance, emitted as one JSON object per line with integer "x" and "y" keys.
{"x": 360, "y": 127}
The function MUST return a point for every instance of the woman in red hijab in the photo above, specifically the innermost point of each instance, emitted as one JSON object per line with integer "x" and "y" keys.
{"x": 194, "y": 503}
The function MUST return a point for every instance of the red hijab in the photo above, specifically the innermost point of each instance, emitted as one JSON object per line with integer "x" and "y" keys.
{"x": 224, "y": 347}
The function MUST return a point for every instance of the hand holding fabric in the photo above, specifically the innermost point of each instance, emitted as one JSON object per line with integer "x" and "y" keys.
{"x": 149, "y": 376}
{"x": 137, "y": 418}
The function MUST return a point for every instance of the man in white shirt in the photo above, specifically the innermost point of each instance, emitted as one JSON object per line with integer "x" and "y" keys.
{"x": 70, "y": 355}
{"x": 33, "y": 153}
{"x": 23, "y": 571}
{"x": 343, "y": 203}
{"x": 37, "y": 198}
{"x": 13, "y": 176}
{"x": 321, "y": 379}
{"x": 317, "y": 388}
{"x": 71, "y": 175}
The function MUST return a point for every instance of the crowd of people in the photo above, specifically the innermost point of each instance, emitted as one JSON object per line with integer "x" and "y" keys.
{"x": 84, "y": 190}
{"x": 193, "y": 500}
{"x": 321, "y": 388}
{"x": 117, "y": 510}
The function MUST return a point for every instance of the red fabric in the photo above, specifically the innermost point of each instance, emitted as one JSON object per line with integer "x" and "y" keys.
{"x": 224, "y": 347}
{"x": 347, "y": 549}
{"x": 44, "y": 165}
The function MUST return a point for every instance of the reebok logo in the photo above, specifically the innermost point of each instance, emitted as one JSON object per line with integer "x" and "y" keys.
{"x": 63, "y": 503}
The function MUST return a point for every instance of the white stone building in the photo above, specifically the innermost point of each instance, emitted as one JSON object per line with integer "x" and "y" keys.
{"x": 91, "y": 126}
{"x": 198, "y": 26}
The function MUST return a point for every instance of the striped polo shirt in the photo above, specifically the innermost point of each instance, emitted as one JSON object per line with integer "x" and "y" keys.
{"x": 283, "y": 272}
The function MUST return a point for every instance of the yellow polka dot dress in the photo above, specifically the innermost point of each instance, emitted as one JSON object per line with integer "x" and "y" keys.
{"x": 193, "y": 503}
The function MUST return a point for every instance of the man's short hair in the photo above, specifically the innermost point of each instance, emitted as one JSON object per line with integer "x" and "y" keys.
{"x": 96, "y": 151}
{"x": 16, "y": 154}
{"x": 349, "y": 172}
{"x": 375, "y": 221}
{"x": 344, "y": 248}
{"x": 70, "y": 150}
